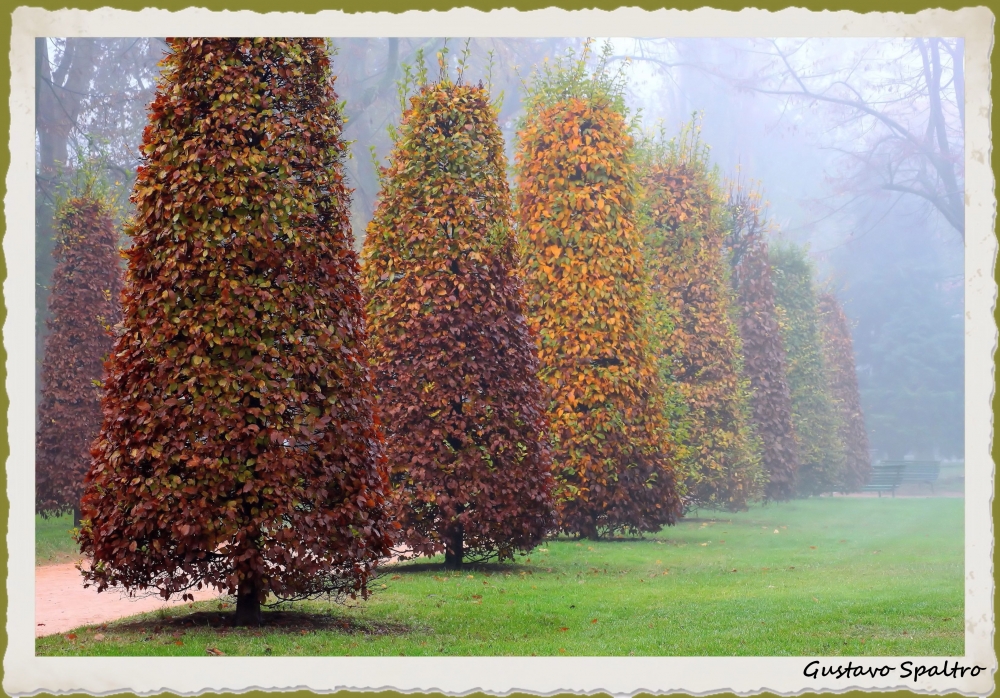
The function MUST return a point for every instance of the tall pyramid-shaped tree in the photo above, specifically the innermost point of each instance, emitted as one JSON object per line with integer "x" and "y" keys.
{"x": 83, "y": 306}
{"x": 239, "y": 448}
{"x": 697, "y": 343}
{"x": 764, "y": 358}
{"x": 814, "y": 414}
{"x": 838, "y": 353}
{"x": 455, "y": 362}
{"x": 587, "y": 301}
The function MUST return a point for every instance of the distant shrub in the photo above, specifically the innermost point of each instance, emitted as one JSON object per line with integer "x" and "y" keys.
{"x": 765, "y": 362}
{"x": 84, "y": 304}
{"x": 814, "y": 413}
{"x": 838, "y": 353}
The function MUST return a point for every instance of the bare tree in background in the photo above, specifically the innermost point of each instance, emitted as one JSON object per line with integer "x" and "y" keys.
{"x": 893, "y": 108}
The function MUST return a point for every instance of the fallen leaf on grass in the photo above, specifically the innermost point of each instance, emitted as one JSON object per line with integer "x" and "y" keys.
{"x": 477, "y": 596}
{"x": 178, "y": 642}
{"x": 593, "y": 620}
{"x": 812, "y": 547}
{"x": 71, "y": 636}
{"x": 562, "y": 630}
{"x": 98, "y": 637}
{"x": 214, "y": 652}
{"x": 815, "y": 599}
{"x": 396, "y": 576}
{"x": 776, "y": 530}
{"x": 734, "y": 569}
{"x": 562, "y": 650}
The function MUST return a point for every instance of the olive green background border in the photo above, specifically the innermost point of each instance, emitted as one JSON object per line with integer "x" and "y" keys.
{"x": 312, "y": 6}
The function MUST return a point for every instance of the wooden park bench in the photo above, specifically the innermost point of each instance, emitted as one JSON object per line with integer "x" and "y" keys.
{"x": 919, "y": 471}
{"x": 886, "y": 477}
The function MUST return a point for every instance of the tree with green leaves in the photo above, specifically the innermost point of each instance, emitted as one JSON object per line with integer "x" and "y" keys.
{"x": 454, "y": 361}
{"x": 814, "y": 413}
{"x": 239, "y": 448}
{"x": 838, "y": 354}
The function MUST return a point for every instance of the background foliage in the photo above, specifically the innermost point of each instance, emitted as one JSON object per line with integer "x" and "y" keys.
{"x": 838, "y": 355}
{"x": 455, "y": 364}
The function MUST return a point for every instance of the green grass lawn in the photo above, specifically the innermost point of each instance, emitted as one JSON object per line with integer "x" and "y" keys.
{"x": 827, "y": 576}
{"x": 53, "y": 541}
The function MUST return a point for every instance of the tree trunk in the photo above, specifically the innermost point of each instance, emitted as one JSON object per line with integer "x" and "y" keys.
{"x": 453, "y": 551}
{"x": 248, "y": 612}
{"x": 76, "y": 515}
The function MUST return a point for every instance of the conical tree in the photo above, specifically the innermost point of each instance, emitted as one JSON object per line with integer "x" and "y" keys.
{"x": 239, "y": 448}
{"x": 764, "y": 358}
{"x": 455, "y": 363}
{"x": 587, "y": 300}
{"x": 697, "y": 343}
{"x": 838, "y": 354}
{"x": 83, "y": 306}
{"x": 814, "y": 414}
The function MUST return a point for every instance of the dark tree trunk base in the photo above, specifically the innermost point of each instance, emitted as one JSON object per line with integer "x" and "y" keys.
{"x": 76, "y": 516}
{"x": 248, "y": 613}
{"x": 453, "y": 551}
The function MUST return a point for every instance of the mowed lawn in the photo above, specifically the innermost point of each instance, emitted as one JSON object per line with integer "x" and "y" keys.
{"x": 54, "y": 543}
{"x": 823, "y": 576}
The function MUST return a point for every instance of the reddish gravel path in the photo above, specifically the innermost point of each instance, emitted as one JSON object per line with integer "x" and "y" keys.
{"x": 61, "y": 602}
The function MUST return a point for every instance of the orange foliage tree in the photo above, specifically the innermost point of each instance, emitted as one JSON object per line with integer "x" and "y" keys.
{"x": 83, "y": 305}
{"x": 239, "y": 448}
{"x": 838, "y": 353}
{"x": 587, "y": 300}
{"x": 764, "y": 358}
{"x": 696, "y": 339}
{"x": 455, "y": 363}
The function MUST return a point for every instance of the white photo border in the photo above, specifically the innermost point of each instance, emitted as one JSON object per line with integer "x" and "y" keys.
{"x": 25, "y": 674}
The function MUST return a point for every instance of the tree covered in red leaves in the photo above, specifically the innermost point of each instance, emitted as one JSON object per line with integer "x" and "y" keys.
{"x": 764, "y": 359}
{"x": 83, "y": 306}
{"x": 455, "y": 363}
{"x": 842, "y": 377}
{"x": 588, "y": 295}
{"x": 239, "y": 448}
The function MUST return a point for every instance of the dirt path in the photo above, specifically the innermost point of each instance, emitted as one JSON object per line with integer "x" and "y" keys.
{"x": 61, "y": 602}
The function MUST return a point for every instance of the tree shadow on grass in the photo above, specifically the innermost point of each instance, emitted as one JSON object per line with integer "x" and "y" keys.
{"x": 487, "y": 568}
{"x": 275, "y": 622}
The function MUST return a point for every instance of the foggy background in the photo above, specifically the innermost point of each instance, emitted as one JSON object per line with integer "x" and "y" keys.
{"x": 858, "y": 145}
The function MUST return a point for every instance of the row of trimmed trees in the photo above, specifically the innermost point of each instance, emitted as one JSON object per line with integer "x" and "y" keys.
{"x": 597, "y": 360}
